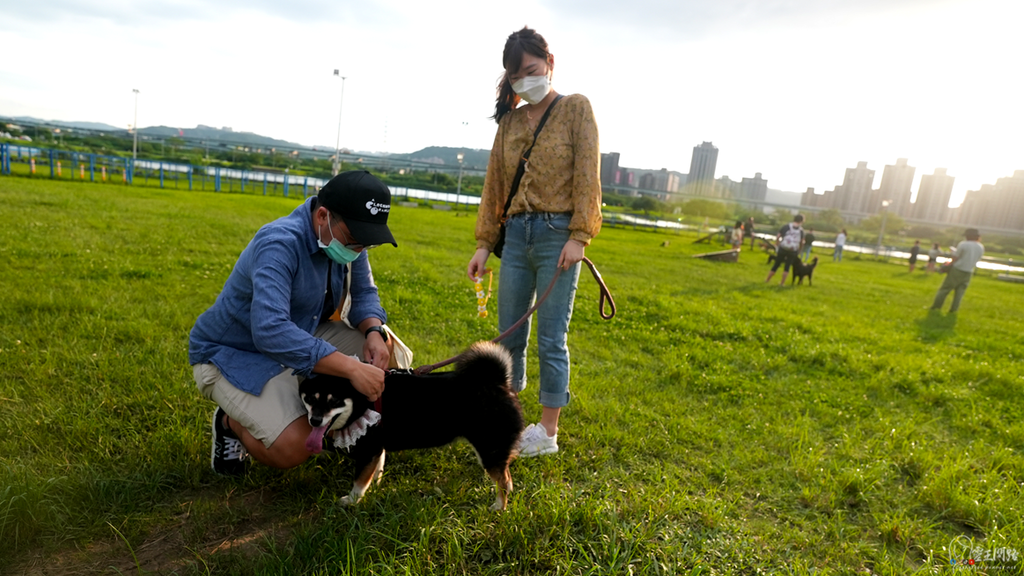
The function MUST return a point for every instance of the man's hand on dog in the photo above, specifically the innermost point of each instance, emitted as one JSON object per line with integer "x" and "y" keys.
{"x": 368, "y": 380}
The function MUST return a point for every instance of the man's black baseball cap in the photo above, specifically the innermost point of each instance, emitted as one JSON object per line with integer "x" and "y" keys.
{"x": 363, "y": 202}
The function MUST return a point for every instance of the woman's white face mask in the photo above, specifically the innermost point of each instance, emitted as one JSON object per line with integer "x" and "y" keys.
{"x": 533, "y": 89}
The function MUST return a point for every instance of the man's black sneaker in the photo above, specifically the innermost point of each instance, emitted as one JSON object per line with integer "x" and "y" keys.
{"x": 229, "y": 456}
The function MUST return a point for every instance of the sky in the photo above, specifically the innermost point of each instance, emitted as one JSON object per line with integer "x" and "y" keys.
{"x": 798, "y": 90}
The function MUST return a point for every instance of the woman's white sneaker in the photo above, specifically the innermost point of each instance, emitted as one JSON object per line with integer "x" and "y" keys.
{"x": 535, "y": 441}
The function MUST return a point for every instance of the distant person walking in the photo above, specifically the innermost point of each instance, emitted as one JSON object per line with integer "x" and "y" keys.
{"x": 553, "y": 204}
{"x": 748, "y": 229}
{"x": 933, "y": 257}
{"x": 737, "y": 235}
{"x": 837, "y": 256}
{"x": 914, "y": 252}
{"x": 790, "y": 239}
{"x": 968, "y": 253}
{"x": 808, "y": 241}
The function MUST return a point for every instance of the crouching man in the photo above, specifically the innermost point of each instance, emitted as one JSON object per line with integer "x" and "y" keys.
{"x": 271, "y": 324}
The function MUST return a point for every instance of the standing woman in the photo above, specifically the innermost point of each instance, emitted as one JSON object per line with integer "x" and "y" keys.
{"x": 837, "y": 256}
{"x": 553, "y": 216}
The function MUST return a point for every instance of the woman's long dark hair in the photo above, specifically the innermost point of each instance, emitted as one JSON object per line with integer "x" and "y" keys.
{"x": 526, "y": 41}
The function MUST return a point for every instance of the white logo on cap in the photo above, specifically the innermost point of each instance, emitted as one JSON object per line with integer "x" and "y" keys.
{"x": 375, "y": 207}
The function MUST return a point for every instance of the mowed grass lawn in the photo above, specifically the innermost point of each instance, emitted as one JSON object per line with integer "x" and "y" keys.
{"x": 718, "y": 425}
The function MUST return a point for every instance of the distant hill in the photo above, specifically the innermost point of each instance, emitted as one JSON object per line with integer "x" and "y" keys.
{"x": 212, "y": 134}
{"x": 782, "y": 197}
{"x": 80, "y": 125}
{"x": 449, "y": 156}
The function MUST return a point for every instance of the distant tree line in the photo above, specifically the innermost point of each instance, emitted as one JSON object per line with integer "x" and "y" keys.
{"x": 177, "y": 150}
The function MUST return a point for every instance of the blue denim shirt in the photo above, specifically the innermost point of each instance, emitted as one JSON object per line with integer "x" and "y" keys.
{"x": 263, "y": 320}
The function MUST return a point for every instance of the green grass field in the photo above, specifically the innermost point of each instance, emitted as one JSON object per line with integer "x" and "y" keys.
{"x": 718, "y": 425}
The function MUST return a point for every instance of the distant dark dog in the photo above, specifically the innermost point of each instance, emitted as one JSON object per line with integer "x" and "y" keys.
{"x": 475, "y": 402}
{"x": 800, "y": 270}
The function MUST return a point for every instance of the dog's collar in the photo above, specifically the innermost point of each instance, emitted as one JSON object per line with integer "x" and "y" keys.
{"x": 347, "y": 437}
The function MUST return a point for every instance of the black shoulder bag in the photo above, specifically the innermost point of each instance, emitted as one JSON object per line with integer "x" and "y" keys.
{"x": 500, "y": 244}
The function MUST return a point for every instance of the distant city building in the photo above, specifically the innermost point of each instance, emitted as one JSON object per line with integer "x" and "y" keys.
{"x": 627, "y": 178}
{"x": 665, "y": 181}
{"x": 857, "y": 189}
{"x": 999, "y": 205}
{"x": 932, "y": 203}
{"x": 1013, "y": 200}
{"x": 755, "y": 188}
{"x": 830, "y": 198}
{"x": 725, "y": 187}
{"x": 647, "y": 182}
{"x": 702, "y": 170}
{"x": 810, "y": 199}
{"x": 973, "y": 211}
{"x": 854, "y": 194}
{"x": 610, "y": 169}
{"x": 875, "y": 199}
{"x": 895, "y": 187}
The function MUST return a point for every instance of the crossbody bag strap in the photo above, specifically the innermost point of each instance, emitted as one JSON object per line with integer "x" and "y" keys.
{"x": 526, "y": 156}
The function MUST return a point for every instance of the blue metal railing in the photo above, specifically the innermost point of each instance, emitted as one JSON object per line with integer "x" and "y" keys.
{"x": 70, "y": 165}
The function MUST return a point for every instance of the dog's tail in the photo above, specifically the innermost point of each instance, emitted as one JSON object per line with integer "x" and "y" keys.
{"x": 486, "y": 362}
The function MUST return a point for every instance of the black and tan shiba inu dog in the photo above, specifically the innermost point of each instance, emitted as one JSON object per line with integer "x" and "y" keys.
{"x": 475, "y": 402}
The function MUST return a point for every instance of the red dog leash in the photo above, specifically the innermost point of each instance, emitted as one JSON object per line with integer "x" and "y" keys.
{"x": 606, "y": 296}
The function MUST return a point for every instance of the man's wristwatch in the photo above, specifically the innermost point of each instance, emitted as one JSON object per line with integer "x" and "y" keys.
{"x": 378, "y": 329}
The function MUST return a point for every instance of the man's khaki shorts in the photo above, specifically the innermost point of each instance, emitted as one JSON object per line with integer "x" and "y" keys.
{"x": 267, "y": 415}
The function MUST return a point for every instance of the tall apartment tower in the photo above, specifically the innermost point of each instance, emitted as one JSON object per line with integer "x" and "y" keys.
{"x": 809, "y": 198}
{"x": 999, "y": 205}
{"x": 610, "y": 169}
{"x": 855, "y": 192}
{"x": 1013, "y": 188}
{"x": 933, "y": 195}
{"x": 895, "y": 187}
{"x": 974, "y": 209}
{"x": 755, "y": 188}
{"x": 701, "y": 180}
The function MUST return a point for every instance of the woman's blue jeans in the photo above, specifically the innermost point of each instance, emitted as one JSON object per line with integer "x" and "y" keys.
{"x": 533, "y": 243}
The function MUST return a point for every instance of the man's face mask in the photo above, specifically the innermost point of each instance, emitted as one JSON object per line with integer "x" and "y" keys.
{"x": 336, "y": 251}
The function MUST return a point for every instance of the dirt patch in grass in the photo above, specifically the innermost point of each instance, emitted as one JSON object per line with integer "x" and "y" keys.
{"x": 248, "y": 525}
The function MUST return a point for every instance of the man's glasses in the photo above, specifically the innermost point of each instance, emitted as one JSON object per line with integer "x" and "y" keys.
{"x": 356, "y": 247}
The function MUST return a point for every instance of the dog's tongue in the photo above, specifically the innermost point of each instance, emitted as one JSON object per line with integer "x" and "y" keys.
{"x": 315, "y": 441}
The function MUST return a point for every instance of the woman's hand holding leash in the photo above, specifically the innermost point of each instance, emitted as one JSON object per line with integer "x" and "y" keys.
{"x": 606, "y": 298}
{"x": 572, "y": 253}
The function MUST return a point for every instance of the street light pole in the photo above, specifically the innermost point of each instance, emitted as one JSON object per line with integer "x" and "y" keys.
{"x": 337, "y": 143}
{"x": 458, "y": 189}
{"x": 881, "y": 232}
{"x": 135, "y": 126}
